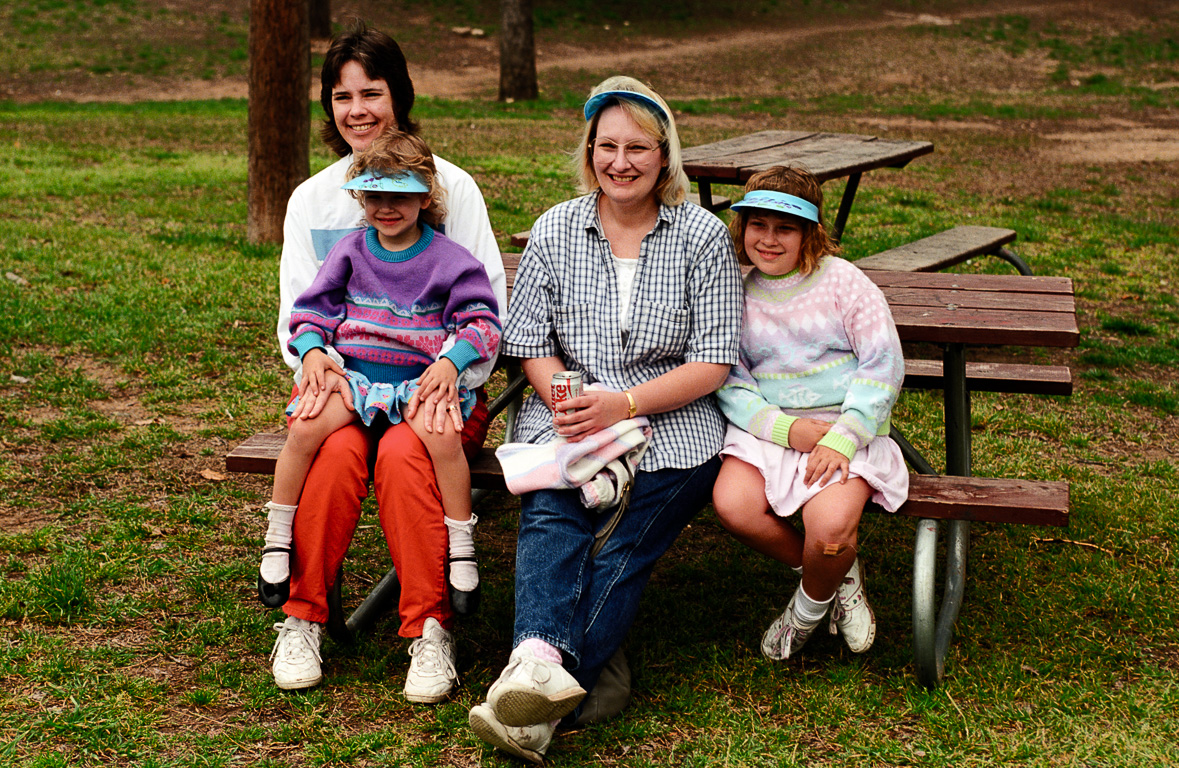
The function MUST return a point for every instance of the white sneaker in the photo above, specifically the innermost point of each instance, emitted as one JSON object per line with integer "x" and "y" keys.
{"x": 431, "y": 675}
{"x": 531, "y": 691}
{"x": 850, "y": 613}
{"x": 786, "y": 635}
{"x": 296, "y": 656}
{"x": 527, "y": 743}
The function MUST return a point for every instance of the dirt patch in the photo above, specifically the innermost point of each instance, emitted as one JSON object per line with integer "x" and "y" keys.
{"x": 1124, "y": 145}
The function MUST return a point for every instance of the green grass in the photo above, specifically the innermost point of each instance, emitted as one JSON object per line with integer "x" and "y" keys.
{"x": 141, "y": 347}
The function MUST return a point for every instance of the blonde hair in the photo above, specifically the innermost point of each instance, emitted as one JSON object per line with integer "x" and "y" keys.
{"x": 395, "y": 151}
{"x": 816, "y": 242}
{"x": 672, "y": 185}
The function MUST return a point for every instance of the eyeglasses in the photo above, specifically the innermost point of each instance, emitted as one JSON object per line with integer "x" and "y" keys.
{"x": 636, "y": 152}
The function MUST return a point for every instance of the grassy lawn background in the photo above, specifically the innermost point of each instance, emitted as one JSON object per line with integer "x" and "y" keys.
{"x": 139, "y": 346}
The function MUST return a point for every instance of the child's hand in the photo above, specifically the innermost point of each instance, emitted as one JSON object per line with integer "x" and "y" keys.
{"x": 316, "y": 364}
{"x": 822, "y": 465}
{"x": 436, "y": 385}
{"x": 805, "y": 434}
{"x": 310, "y": 404}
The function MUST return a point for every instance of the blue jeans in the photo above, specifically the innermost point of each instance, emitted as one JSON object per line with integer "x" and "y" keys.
{"x": 584, "y": 605}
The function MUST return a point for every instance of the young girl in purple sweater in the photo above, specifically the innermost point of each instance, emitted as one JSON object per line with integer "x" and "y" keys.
{"x": 808, "y": 405}
{"x": 407, "y": 310}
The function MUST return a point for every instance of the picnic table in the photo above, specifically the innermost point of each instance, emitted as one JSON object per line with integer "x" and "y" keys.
{"x": 959, "y": 311}
{"x": 952, "y": 310}
{"x": 826, "y": 155}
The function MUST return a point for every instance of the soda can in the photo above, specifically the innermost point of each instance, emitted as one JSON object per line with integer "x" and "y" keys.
{"x": 566, "y": 385}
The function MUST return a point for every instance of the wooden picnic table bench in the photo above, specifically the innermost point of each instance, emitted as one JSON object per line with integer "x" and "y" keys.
{"x": 951, "y": 310}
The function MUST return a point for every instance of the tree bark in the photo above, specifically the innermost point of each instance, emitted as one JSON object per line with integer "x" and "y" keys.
{"x": 321, "y": 19}
{"x": 279, "y": 116}
{"x": 517, "y": 51}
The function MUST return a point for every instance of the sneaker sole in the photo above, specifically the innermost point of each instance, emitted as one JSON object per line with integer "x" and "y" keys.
{"x": 494, "y": 733}
{"x": 521, "y": 706}
{"x": 427, "y": 698}
{"x": 869, "y": 640}
{"x": 298, "y": 685}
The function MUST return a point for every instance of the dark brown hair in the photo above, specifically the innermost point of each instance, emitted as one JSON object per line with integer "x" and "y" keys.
{"x": 816, "y": 242}
{"x": 381, "y": 59}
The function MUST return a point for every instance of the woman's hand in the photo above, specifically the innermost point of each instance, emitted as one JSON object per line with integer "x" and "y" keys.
{"x": 805, "y": 434}
{"x": 822, "y": 464}
{"x": 593, "y": 411}
{"x": 312, "y": 402}
{"x": 437, "y": 384}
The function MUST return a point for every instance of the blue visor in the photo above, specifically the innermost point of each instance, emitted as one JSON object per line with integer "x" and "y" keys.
{"x": 597, "y": 101}
{"x": 374, "y": 180}
{"x": 778, "y": 202}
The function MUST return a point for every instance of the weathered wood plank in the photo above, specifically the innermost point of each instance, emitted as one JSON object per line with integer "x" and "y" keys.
{"x": 994, "y": 377}
{"x": 944, "y": 249}
{"x": 1002, "y": 283}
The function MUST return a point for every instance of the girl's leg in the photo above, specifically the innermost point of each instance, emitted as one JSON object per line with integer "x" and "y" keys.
{"x": 831, "y": 519}
{"x": 305, "y": 436}
{"x": 454, "y": 483}
{"x": 740, "y": 501}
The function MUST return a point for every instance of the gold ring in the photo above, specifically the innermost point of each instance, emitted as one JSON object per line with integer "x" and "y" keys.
{"x": 452, "y": 408}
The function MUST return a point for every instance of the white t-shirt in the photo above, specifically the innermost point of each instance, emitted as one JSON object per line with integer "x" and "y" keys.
{"x": 319, "y": 213}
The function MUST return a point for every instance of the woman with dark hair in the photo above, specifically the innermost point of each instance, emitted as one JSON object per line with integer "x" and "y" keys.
{"x": 639, "y": 292}
{"x": 366, "y": 90}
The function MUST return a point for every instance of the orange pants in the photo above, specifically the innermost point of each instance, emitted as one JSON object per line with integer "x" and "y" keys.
{"x": 410, "y": 511}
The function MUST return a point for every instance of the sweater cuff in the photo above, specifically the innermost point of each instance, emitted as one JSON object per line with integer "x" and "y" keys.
{"x": 462, "y": 354}
{"x": 838, "y": 442}
{"x": 780, "y": 432}
{"x": 305, "y": 342}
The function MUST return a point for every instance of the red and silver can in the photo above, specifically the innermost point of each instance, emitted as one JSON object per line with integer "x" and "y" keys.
{"x": 566, "y": 385}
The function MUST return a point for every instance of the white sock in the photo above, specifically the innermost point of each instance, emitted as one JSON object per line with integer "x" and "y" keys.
{"x": 276, "y": 566}
{"x": 808, "y": 610}
{"x": 464, "y": 574}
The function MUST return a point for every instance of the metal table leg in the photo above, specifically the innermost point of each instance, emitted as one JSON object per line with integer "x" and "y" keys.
{"x": 932, "y": 632}
{"x": 705, "y": 190}
{"x": 845, "y": 205}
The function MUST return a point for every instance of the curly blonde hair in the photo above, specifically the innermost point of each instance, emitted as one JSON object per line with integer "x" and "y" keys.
{"x": 816, "y": 241}
{"x": 394, "y": 151}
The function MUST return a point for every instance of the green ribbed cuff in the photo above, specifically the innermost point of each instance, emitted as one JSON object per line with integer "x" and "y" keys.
{"x": 838, "y": 442}
{"x": 780, "y": 433}
{"x": 462, "y": 354}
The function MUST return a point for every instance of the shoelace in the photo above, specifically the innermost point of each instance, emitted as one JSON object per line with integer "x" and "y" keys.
{"x": 305, "y": 633}
{"x": 428, "y": 657}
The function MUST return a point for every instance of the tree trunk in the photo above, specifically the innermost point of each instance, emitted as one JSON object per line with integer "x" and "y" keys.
{"x": 280, "y": 119}
{"x": 517, "y": 51}
{"x": 321, "y": 19}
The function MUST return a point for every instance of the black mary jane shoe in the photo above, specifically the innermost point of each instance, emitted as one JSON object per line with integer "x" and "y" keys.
{"x": 274, "y": 595}
{"x": 465, "y": 603}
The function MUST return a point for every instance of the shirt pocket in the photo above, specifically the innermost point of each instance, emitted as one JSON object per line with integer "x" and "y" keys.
{"x": 657, "y": 332}
{"x": 577, "y": 334}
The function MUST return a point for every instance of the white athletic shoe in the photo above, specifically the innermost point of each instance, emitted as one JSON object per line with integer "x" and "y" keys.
{"x": 851, "y": 615}
{"x": 531, "y": 691}
{"x": 431, "y": 675}
{"x": 296, "y": 659}
{"x": 786, "y": 635}
{"x": 527, "y": 743}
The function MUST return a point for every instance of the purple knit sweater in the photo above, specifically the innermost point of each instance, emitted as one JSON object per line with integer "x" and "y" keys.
{"x": 388, "y": 313}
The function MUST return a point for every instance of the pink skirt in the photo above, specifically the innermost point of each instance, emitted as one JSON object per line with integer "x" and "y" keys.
{"x": 879, "y": 463}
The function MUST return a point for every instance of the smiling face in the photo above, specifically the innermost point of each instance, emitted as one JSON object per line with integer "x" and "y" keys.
{"x": 395, "y": 216}
{"x": 626, "y": 159}
{"x": 362, "y": 108}
{"x": 773, "y": 241}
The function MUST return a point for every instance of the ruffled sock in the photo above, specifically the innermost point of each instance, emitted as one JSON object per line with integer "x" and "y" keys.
{"x": 464, "y": 570}
{"x": 276, "y": 566}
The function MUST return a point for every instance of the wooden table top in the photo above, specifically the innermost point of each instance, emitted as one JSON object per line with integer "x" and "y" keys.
{"x": 826, "y": 155}
{"x": 981, "y": 309}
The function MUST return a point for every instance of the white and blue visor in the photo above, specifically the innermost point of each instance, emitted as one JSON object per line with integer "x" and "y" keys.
{"x": 375, "y": 180}
{"x": 778, "y": 202}
{"x": 599, "y": 100}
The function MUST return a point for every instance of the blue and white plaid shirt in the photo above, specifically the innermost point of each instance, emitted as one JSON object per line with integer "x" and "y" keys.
{"x": 686, "y": 307}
